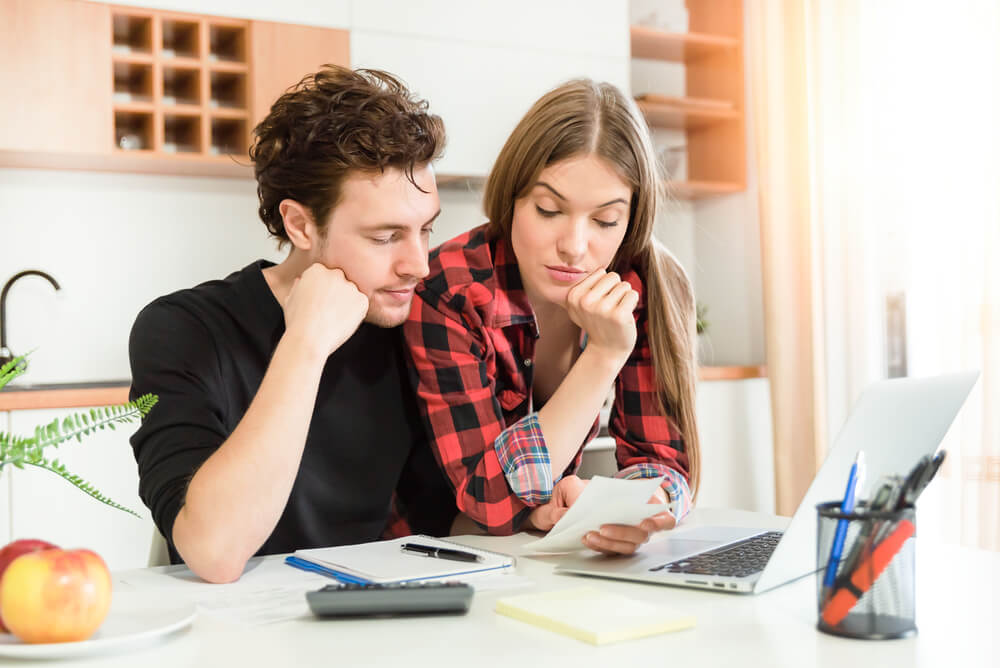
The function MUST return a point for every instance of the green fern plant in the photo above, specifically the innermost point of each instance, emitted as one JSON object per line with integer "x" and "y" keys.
{"x": 21, "y": 451}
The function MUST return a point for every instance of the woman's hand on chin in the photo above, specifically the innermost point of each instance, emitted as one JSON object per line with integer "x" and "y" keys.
{"x": 602, "y": 305}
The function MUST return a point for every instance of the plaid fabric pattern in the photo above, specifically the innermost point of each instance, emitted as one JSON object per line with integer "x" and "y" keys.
{"x": 471, "y": 336}
{"x": 525, "y": 461}
{"x": 679, "y": 500}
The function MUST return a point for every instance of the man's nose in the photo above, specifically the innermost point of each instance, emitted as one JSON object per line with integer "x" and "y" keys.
{"x": 413, "y": 258}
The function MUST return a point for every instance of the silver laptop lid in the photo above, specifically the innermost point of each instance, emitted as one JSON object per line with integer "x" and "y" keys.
{"x": 895, "y": 422}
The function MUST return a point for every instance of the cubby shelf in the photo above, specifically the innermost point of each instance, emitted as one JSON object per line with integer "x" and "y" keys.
{"x": 181, "y": 85}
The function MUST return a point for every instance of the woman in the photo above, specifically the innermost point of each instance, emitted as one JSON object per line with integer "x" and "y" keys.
{"x": 525, "y": 324}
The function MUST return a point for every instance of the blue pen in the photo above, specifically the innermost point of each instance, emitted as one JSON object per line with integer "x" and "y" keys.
{"x": 857, "y": 472}
{"x": 304, "y": 565}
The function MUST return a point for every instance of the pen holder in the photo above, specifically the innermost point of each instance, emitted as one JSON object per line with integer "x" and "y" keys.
{"x": 872, "y": 595}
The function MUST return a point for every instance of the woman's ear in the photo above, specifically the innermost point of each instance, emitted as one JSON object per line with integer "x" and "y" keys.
{"x": 299, "y": 224}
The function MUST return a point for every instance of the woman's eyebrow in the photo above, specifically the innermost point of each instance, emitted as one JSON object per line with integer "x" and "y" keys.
{"x": 599, "y": 206}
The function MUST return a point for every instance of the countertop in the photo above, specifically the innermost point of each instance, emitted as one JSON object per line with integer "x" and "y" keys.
{"x": 28, "y": 396}
{"x": 34, "y": 396}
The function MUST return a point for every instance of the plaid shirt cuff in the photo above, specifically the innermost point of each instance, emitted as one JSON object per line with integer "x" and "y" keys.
{"x": 525, "y": 460}
{"x": 679, "y": 501}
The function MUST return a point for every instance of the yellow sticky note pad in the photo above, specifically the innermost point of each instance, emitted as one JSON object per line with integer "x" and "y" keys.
{"x": 592, "y": 615}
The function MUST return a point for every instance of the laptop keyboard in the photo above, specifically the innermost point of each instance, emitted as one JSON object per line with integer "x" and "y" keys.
{"x": 740, "y": 559}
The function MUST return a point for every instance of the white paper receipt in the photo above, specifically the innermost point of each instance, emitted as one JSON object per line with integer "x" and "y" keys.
{"x": 603, "y": 501}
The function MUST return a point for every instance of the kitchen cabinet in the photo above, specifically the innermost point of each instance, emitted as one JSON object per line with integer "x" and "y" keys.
{"x": 57, "y": 88}
{"x": 710, "y": 110}
{"x": 283, "y": 53}
{"x": 42, "y": 505}
{"x": 480, "y": 90}
{"x": 130, "y": 89}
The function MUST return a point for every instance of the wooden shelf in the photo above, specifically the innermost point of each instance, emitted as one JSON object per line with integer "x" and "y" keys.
{"x": 181, "y": 62}
{"x": 135, "y": 161}
{"x": 132, "y": 58}
{"x": 691, "y": 190}
{"x": 195, "y": 73}
{"x": 181, "y": 109}
{"x": 677, "y": 47}
{"x": 683, "y": 116}
{"x": 731, "y": 372}
{"x": 26, "y": 400}
{"x": 229, "y": 113}
{"x": 134, "y": 107}
{"x": 226, "y": 66}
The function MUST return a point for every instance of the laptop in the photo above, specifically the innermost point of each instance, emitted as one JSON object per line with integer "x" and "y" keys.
{"x": 895, "y": 422}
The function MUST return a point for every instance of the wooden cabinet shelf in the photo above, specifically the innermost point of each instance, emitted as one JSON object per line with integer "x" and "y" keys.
{"x": 693, "y": 190}
{"x": 119, "y": 88}
{"x": 683, "y": 116}
{"x": 187, "y": 94}
{"x": 731, "y": 372}
{"x": 677, "y": 47}
{"x": 221, "y": 66}
{"x": 710, "y": 108}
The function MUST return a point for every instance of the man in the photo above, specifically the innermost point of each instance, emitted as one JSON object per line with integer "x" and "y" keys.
{"x": 285, "y": 418}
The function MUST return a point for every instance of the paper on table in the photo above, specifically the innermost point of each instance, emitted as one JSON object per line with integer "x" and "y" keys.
{"x": 603, "y": 501}
{"x": 268, "y": 591}
{"x": 260, "y": 606}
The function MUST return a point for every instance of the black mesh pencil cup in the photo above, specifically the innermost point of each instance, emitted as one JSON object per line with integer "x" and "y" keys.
{"x": 865, "y": 577}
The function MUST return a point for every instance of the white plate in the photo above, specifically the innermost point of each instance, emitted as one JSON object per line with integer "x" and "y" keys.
{"x": 131, "y": 621}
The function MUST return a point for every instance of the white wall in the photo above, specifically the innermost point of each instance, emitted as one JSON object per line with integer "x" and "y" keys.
{"x": 116, "y": 241}
{"x": 717, "y": 239}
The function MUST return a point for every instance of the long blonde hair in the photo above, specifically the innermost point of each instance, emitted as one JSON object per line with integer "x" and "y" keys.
{"x": 583, "y": 117}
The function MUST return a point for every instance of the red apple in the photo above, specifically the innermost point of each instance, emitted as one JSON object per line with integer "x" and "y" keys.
{"x": 12, "y": 551}
{"x": 55, "y": 595}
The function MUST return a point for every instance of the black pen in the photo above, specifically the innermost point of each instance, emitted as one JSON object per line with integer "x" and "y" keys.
{"x": 439, "y": 552}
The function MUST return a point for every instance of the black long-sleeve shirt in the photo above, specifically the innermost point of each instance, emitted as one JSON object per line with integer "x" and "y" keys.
{"x": 204, "y": 352}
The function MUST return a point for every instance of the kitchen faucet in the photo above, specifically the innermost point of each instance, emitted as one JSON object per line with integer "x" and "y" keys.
{"x": 5, "y": 354}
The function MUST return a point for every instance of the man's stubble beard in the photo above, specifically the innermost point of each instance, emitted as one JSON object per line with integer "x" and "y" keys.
{"x": 376, "y": 316}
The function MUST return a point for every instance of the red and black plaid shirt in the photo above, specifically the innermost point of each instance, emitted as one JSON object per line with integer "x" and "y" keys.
{"x": 471, "y": 334}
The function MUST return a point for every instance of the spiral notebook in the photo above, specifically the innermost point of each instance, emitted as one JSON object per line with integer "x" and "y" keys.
{"x": 384, "y": 562}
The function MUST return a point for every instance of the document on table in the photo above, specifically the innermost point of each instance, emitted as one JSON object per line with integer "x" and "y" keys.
{"x": 603, "y": 501}
{"x": 268, "y": 592}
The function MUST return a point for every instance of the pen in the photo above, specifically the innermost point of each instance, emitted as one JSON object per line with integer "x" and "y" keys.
{"x": 439, "y": 552}
{"x": 885, "y": 497}
{"x": 857, "y": 471}
{"x": 304, "y": 565}
{"x": 864, "y": 576}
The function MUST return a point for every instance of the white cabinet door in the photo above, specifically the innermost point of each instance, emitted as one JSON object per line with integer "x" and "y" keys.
{"x": 481, "y": 90}
{"x": 737, "y": 452}
{"x": 5, "y": 536}
{"x": 45, "y": 506}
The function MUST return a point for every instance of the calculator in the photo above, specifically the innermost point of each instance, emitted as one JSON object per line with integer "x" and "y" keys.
{"x": 414, "y": 598}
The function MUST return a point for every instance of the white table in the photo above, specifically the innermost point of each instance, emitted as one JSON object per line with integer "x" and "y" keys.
{"x": 957, "y": 619}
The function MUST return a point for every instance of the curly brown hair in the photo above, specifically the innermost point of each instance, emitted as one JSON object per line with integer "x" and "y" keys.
{"x": 330, "y": 124}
